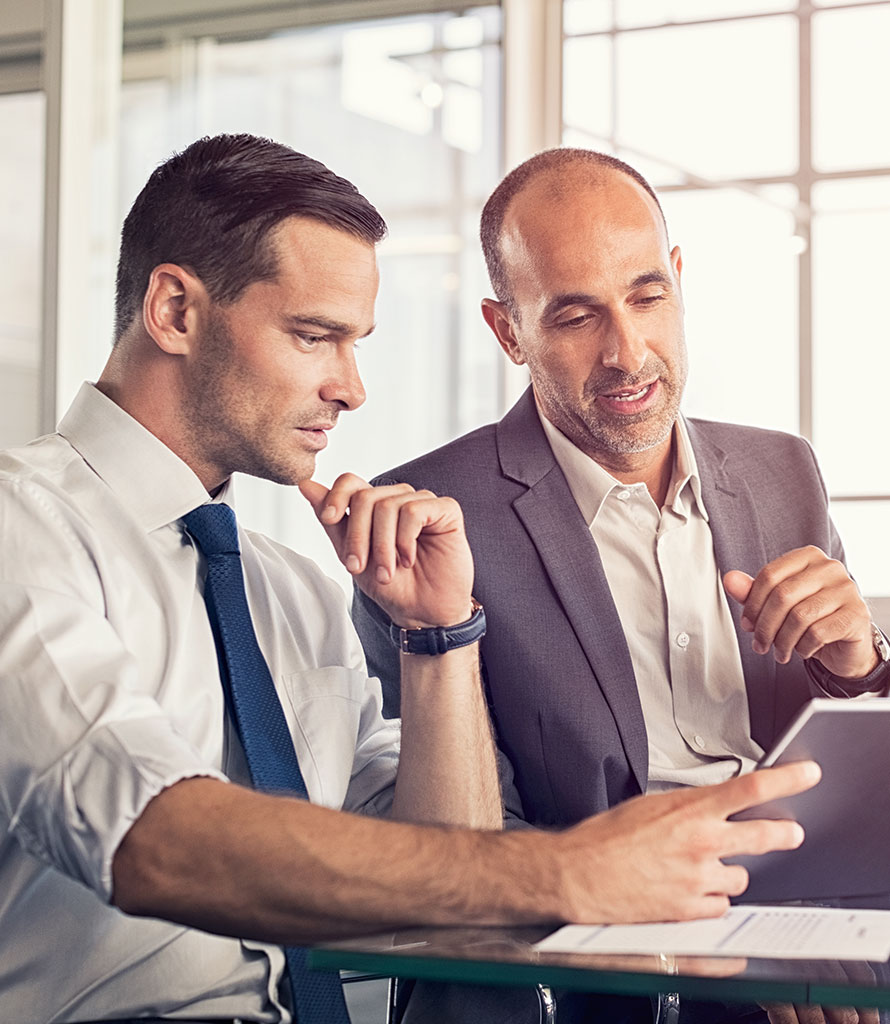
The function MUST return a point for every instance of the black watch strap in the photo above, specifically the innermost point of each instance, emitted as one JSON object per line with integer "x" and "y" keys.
{"x": 440, "y": 639}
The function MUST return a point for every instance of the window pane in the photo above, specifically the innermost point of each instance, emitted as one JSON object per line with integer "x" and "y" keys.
{"x": 587, "y": 90}
{"x": 851, "y": 82}
{"x": 580, "y": 16}
{"x": 851, "y": 336}
{"x": 840, "y": 3}
{"x": 586, "y": 16}
{"x": 21, "y": 254}
{"x": 654, "y": 12}
{"x": 688, "y": 97}
{"x": 863, "y": 528}
{"x": 739, "y": 285}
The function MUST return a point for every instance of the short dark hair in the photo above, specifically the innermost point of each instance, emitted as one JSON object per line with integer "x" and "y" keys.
{"x": 212, "y": 208}
{"x": 495, "y": 209}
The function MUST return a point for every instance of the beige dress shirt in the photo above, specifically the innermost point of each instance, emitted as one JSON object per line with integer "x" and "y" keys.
{"x": 663, "y": 576}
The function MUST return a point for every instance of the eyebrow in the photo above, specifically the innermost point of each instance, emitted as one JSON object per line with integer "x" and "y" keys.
{"x": 559, "y": 302}
{"x": 324, "y": 324}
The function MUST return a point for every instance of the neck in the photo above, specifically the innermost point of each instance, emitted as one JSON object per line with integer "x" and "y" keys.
{"x": 150, "y": 390}
{"x": 653, "y": 468}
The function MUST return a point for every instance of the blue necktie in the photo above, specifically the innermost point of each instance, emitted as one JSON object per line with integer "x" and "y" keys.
{"x": 253, "y": 702}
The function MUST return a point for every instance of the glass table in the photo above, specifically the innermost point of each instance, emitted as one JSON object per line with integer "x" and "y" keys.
{"x": 500, "y": 956}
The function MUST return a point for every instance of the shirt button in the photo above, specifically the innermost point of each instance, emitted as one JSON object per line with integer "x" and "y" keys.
{"x": 623, "y": 495}
{"x": 683, "y": 640}
{"x": 699, "y": 742}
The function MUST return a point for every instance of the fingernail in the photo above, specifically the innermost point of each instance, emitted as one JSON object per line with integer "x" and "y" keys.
{"x": 329, "y": 513}
{"x": 382, "y": 574}
{"x": 799, "y": 834}
{"x": 758, "y": 647}
{"x": 352, "y": 563}
{"x": 405, "y": 562}
{"x": 746, "y": 624}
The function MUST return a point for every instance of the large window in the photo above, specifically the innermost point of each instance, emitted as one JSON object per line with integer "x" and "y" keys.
{"x": 762, "y": 123}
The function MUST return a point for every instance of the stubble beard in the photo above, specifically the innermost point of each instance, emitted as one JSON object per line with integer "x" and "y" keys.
{"x": 598, "y": 432}
{"x": 219, "y": 408}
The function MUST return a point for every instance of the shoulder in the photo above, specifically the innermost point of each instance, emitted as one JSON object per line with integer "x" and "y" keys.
{"x": 49, "y": 534}
{"x": 752, "y": 445}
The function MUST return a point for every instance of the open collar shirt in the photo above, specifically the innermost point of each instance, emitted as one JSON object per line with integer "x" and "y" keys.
{"x": 110, "y": 692}
{"x": 663, "y": 576}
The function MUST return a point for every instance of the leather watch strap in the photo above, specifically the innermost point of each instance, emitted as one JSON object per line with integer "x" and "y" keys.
{"x": 433, "y": 640}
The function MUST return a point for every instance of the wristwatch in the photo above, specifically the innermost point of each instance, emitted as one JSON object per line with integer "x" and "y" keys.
{"x": 439, "y": 639}
{"x": 881, "y": 644}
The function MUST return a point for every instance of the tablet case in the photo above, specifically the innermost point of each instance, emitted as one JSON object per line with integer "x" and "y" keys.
{"x": 846, "y": 816}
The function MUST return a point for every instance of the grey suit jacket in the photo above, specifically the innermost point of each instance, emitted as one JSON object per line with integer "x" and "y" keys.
{"x": 559, "y": 678}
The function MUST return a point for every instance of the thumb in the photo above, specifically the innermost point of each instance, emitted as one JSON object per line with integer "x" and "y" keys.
{"x": 738, "y": 584}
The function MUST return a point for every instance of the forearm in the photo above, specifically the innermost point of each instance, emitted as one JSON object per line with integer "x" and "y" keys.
{"x": 215, "y": 856}
{"x": 225, "y": 859}
{"x": 448, "y": 767}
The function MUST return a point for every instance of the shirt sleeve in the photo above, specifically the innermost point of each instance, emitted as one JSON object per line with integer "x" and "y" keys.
{"x": 85, "y": 748}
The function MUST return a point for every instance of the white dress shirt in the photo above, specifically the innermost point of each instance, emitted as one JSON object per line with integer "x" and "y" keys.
{"x": 662, "y": 572}
{"x": 110, "y": 692}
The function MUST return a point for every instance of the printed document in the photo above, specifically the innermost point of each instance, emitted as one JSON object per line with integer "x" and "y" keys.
{"x": 785, "y": 933}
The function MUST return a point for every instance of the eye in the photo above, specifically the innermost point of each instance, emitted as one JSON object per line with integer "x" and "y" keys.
{"x": 308, "y": 341}
{"x": 579, "y": 320}
{"x": 650, "y": 300}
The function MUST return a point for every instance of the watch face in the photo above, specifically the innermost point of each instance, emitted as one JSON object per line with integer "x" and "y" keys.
{"x": 880, "y": 642}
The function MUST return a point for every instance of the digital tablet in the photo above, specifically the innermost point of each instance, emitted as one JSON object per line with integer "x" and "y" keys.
{"x": 846, "y": 816}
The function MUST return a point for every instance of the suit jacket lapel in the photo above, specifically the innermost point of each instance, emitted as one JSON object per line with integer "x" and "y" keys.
{"x": 570, "y": 557}
{"x": 738, "y": 544}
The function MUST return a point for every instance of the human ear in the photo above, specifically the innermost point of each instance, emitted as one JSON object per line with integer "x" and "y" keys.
{"x": 677, "y": 261}
{"x": 499, "y": 319}
{"x": 170, "y": 307}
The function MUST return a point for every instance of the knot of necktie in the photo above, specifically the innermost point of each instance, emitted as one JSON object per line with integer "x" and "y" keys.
{"x": 214, "y": 529}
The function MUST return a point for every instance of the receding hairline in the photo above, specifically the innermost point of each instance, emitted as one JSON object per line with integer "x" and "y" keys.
{"x": 570, "y": 170}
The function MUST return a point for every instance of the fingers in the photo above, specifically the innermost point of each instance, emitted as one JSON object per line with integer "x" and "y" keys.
{"x": 797, "y": 1013}
{"x": 805, "y": 1013}
{"x": 758, "y": 835}
{"x": 376, "y": 527}
{"x": 761, "y": 786}
{"x": 738, "y": 584}
{"x": 803, "y": 601}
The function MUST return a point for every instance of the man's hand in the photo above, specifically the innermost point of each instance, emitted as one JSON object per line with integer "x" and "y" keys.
{"x": 658, "y": 857}
{"x": 805, "y": 601}
{"x": 794, "y": 1013}
{"x": 406, "y": 549}
{"x": 843, "y": 971}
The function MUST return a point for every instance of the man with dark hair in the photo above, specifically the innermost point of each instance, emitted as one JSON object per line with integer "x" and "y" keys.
{"x": 635, "y": 565}
{"x": 159, "y": 664}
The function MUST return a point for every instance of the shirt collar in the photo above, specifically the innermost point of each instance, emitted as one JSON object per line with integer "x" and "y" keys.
{"x": 590, "y": 484}
{"x": 145, "y": 475}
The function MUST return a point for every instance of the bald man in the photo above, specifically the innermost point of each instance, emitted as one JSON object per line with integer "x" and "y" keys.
{"x": 662, "y": 593}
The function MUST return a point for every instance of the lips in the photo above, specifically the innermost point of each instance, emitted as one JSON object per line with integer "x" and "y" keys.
{"x": 316, "y": 437}
{"x": 626, "y": 401}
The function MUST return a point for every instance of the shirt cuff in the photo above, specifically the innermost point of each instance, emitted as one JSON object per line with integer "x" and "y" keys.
{"x": 876, "y": 682}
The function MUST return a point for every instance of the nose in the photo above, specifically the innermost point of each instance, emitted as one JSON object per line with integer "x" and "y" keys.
{"x": 344, "y": 385}
{"x": 626, "y": 348}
